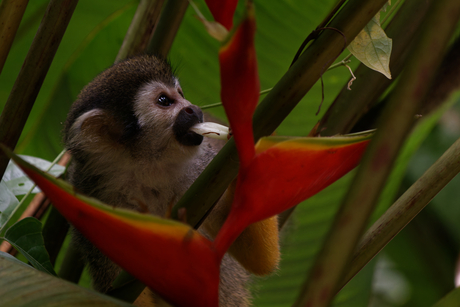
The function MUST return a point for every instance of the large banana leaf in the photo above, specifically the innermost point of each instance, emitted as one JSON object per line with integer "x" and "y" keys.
{"x": 22, "y": 285}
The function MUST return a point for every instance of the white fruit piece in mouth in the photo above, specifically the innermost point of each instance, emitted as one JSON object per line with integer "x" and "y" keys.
{"x": 211, "y": 130}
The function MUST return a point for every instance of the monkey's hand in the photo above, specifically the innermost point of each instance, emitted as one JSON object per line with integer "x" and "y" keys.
{"x": 257, "y": 248}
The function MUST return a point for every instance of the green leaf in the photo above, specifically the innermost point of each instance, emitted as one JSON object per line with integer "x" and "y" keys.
{"x": 106, "y": 227}
{"x": 451, "y": 299}
{"x": 26, "y": 237}
{"x": 372, "y": 47}
{"x": 14, "y": 259}
{"x": 19, "y": 183}
{"x": 8, "y": 202}
{"x": 21, "y": 285}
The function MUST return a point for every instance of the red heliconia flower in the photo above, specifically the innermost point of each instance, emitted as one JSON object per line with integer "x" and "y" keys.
{"x": 169, "y": 257}
{"x": 223, "y": 11}
{"x": 285, "y": 172}
{"x": 240, "y": 84}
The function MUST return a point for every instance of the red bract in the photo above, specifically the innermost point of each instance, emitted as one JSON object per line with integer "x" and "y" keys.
{"x": 284, "y": 173}
{"x": 240, "y": 84}
{"x": 169, "y": 257}
{"x": 223, "y": 11}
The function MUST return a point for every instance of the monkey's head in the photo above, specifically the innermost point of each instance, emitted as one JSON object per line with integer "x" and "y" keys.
{"x": 136, "y": 107}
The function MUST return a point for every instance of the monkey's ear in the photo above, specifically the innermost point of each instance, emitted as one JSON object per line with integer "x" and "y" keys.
{"x": 94, "y": 131}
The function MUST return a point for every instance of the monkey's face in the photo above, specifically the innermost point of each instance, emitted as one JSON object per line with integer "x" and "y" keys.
{"x": 135, "y": 109}
{"x": 165, "y": 116}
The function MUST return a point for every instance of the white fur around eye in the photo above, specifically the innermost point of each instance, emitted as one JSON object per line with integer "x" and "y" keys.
{"x": 146, "y": 109}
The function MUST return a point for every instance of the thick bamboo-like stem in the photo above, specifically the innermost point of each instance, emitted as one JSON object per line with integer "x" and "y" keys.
{"x": 382, "y": 232}
{"x": 406, "y": 208}
{"x": 141, "y": 29}
{"x": 54, "y": 232}
{"x": 167, "y": 27}
{"x": 73, "y": 264}
{"x": 281, "y": 100}
{"x": 329, "y": 269}
{"x": 126, "y": 287}
{"x": 11, "y": 12}
{"x": 33, "y": 72}
{"x": 349, "y": 106}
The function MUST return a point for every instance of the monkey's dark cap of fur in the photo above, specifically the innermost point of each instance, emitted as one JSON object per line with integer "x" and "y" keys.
{"x": 115, "y": 89}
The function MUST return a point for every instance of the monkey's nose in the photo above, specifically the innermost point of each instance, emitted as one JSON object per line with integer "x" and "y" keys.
{"x": 186, "y": 118}
{"x": 194, "y": 111}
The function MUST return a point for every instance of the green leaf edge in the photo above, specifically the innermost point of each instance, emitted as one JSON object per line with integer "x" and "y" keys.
{"x": 38, "y": 265}
{"x": 65, "y": 186}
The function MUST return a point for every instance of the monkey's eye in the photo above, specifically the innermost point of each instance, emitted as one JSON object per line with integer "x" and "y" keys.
{"x": 165, "y": 101}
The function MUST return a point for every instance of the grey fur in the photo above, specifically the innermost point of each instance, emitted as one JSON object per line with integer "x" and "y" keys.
{"x": 126, "y": 154}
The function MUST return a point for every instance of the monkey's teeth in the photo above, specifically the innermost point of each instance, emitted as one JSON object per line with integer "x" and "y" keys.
{"x": 211, "y": 130}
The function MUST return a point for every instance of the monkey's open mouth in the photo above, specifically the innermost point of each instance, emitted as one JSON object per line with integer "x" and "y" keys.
{"x": 186, "y": 119}
{"x": 190, "y": 139}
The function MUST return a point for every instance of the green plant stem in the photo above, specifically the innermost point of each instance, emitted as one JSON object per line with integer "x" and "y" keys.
{"x": 11, "y": 12}
{"x": 73, "y": 264}
{"x": 405, "y": 209}
{"x": 349, "y": 106}
{"x": 218, "y": 104}
{"x": 393, "y": 7}
{"x": 329, "y": 268}
{"x": 126, "y": 287}
{"x": 141, "y": 29}
{"x": 167, "y": 27}
{"x": 212, "y": 105}
{"x": 54, "y": 233}
{"x": 279, "y": 102}
{"x": 32, "y": 74}
{"x": 341, "y": 63}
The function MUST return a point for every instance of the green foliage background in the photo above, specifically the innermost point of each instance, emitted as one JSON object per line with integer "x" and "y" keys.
{"x": 90, "y": 45}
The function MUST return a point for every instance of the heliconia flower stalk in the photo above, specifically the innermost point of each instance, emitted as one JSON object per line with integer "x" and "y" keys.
{"x": 285, "y": 172}
{"x": 223, "y": 11}
{"x": 240, "y": 84}
{"x": 169, "y": 257}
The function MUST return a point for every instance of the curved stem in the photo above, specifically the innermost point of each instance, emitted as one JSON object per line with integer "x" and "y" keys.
{"x": 405, "y": 209}
{"x": 33, "y": 72}
{"x": 397, "y": 119}
{"x": 167, "y": 27}
{"x": 140, "y": 29}
{"x": 11, "y": 13}
{"x": 276, "y": 106}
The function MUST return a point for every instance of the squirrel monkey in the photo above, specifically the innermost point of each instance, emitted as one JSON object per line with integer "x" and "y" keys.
{"x": 128, "y": 133}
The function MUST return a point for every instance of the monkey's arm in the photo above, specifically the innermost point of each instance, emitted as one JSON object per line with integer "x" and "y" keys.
{"x": 257, "y": 248}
